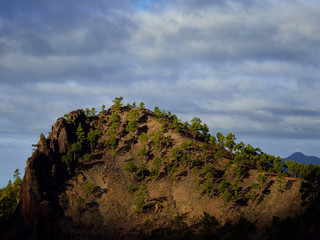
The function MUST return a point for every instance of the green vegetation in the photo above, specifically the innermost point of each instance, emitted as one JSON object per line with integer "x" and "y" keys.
{"x": 79, "y": 203}
{"x": 209, "y": 171}
{"x": 179, "y": 224}
{"x": 230, "y": 141}
{"x": 160, "y": 141}
{"x": 70, "y": 159}
{"x": 131, "y": 188}
{"x": 66, "y": 117}
{"x": 93, "y": 137}
{"x": 209, "y": 225}
{"x": 157, "y": 163}
{"x": 208, "y": 187}
{"x": 112, "y": 141}
{"x": 141, "y": 198}
{"x": 80, "y": 135}
{"x": 90, "y": 112}
{"x": 103, "y": 109}
{"x": 287, "y": 229}
{"x": 141, "y": 173}
{"x": 118, "y": 103}
{"x": 9, "y": 195}
{"x": 114, "y": 118}
{"x": 130, "y": 167}
{"x": 252, "y": 193}
{"x": 310, "y": 189}
{"x": 143, "y": 152}
{"x": 241, "y": 229}
{"x": 132, "y": 126}
{"x": 141, "y": 105}
{"x": 89, "y": 187}
{"x": 86, "y": 157}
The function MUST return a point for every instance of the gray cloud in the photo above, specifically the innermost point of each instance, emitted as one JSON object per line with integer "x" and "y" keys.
{"x": 248, "y": 67}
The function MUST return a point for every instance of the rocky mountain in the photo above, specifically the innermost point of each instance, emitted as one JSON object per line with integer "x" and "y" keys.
{"x": 131, "y": 173}
{"x": 299, "y": 157}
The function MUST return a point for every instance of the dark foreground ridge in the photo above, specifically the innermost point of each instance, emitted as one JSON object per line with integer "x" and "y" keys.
{"x": 130, "y": 173}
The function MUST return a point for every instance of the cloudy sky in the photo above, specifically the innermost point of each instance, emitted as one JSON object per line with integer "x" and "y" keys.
{"x": 248, "y": 67}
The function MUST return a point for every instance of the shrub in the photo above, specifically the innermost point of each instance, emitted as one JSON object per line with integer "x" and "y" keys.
{"x": 89, "y": 187}
{"x": 197, "y": 182}
{"x": 130, "y": 167}
{"x": 218, "y": 151}
{"x": 209, "y": 170}
{"x": 223, "y": 185}
{"x": 262, "y": 180}
{"x": 111, "y": 143}
{"x": 159, "y": 140}
{"x": 176, "y": 153}
{"x": 205, "y": 146}
{"x": 172, "y": 169}
{"x": 208, "y": 186}
{"x": 178, "y": 223}
{"x": 237, "y": 170}
{"x": 186, "y": 144}
{"x": 157, "y": 162}
{"x": 86, "y": 157}
{"x": 142, "y": 152}
{"x": 209, "y": 223}
{"x": 147, "y": 223}
{"x": 114, "y": 118}
{"x": 226, "y": 196}
{"x": 141, "y": 173}
{"x": 185, "y": 159}
{"x": 143, "y": 138}
{"x": 285, "y": 229}
{"x": 140, "y": 200}
{"x": 79, "y": 203}
{"x": 241, "y": 229}
{"x": 131, "y": 188}
{"x": 133, "y": 115}
{"x": 132, "y": 126}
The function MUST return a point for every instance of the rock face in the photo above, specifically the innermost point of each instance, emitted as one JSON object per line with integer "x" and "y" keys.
{"x": 44, "y": 178}
{"x": 150, "y": 180}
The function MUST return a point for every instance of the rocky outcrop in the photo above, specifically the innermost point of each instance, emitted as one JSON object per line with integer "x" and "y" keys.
{"x": 44, "y": 178}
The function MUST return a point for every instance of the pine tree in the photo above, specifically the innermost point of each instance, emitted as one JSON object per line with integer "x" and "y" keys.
{"x": 230, "y": 141}
{"x": 141, "y": 105}
{"x": 80, "y": 135}
{"x": 117, "y": 102}
{"x": 92, "y": 137}
{"x": 205, "y": 129}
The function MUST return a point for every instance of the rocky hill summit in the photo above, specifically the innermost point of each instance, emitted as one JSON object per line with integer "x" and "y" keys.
{"x": 132, "y": 173}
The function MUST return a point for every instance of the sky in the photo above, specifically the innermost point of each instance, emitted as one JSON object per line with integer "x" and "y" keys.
{"x": 248, "y": 67}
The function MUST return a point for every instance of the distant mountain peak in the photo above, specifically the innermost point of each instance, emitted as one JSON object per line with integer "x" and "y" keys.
{"x": 302, "y": 158}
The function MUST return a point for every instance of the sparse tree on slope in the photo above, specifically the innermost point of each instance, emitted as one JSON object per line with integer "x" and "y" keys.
{"x": 80, "y": 135}
{"x": 118, "y": 103}
{"x": 92, "y": 137}
{"x": 230, "y": 141}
